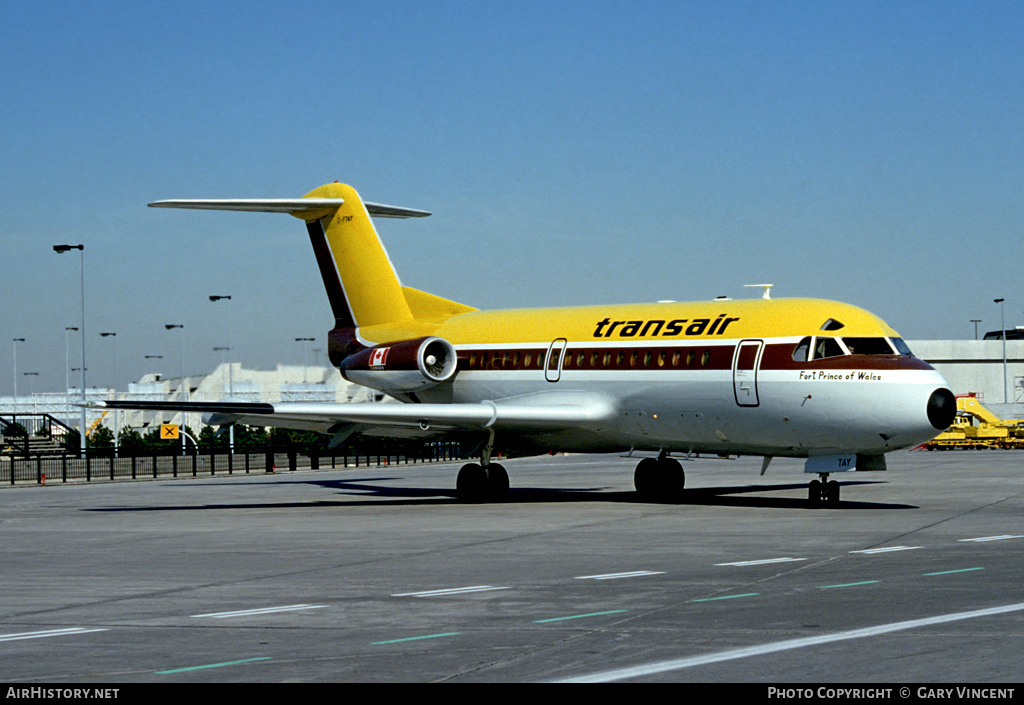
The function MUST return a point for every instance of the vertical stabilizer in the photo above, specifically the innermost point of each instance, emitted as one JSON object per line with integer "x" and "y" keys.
{"x": 361, "y": 282}
{"x": 362, "y": 286}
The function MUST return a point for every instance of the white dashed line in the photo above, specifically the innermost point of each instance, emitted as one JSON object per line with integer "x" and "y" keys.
{"x": 48, "y": 633}
{"x": 616, "y": 576}
{"x": 764, "y": 561}
{"x": 263, "y": 610}
{"x": 450, "y": 591}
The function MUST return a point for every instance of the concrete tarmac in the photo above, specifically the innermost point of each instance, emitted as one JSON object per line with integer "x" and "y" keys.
{"x": 380, "y": 575}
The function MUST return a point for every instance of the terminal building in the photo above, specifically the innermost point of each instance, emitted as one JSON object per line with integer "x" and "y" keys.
{"x": 970, "y": 366}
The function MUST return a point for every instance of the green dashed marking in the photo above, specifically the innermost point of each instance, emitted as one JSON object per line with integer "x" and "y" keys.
{"x": 578, "y": 616}
{"x": 726, "y": 597}
{"x": 948, "y": 572}
{"x": 213, "y": 665}
{"x": 864, "y": 582}
{"x": 415, "y": 638}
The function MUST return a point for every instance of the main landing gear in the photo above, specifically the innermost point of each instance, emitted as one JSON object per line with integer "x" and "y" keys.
{"x": 660, "y": 479}
{"x": 482, "y": 483}
{"x": 823, "y": 491}
{"x": 486, "y": 482}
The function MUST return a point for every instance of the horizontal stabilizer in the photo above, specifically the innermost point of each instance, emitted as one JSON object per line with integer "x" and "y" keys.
{"x": 292, "y": 206}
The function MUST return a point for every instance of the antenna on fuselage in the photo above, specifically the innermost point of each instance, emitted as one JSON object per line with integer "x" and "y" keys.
{"x": 767, "y": 289}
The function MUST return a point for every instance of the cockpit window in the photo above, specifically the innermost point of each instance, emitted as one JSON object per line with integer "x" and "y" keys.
{"x": 827, "y": 347}
{"x": 802, "y": 351}
{"x": 831, "y": 324}
{"x": 902, "y": 347}
{"x": 868, "y": 346}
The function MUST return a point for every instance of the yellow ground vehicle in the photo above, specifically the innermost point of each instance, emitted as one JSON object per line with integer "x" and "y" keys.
{"x": 976, "y": 427}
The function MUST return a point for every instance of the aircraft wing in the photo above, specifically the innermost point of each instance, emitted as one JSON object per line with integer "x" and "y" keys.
{"x": 535, "y": 412}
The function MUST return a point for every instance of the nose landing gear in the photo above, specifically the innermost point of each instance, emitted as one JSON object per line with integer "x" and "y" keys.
{"x": 823, "y": 492}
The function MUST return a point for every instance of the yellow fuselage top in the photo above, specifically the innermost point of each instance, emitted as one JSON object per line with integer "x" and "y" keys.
{"x": 721, "y": 319}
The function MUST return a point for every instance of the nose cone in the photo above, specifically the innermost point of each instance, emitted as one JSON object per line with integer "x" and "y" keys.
{"x": 941, "y": 408}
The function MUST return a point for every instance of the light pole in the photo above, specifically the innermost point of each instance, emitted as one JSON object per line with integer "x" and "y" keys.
{"x": 67, "y": 371}
{"x": 31, "y": 388}
{"x": 155, "y": 357}
{"x": 182, "y": 389}
{"x": 305, "y": 356}
{"x": 14, "y": 357}
{"x": 1002, "y": 334}
{"x": 975, "y": 321}
{"x": 59, "y": 249}
{"x": 231, "y": 374}
{"x": 113, "y": 374}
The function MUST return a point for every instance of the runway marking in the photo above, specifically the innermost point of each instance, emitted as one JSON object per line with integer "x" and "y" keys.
{"x": 948, "y": 572}
{"x": 578, "y": 616}
{"x": 764, "y": 561}
{"x": 786, "y": 645}
{"x": 616, "y": 576}
{"x": 842, "y": 585}
{"x": 48, "y": 633}
{"x": 888, "y": 549}
{"x": 726, "y": 597}
{"x": 1002, "y": 537}
{"x": 450, "y": 591}
{"x": 212, "y": 665}
{"x": 415, "y": 638}
{"x": 262, "y": 610}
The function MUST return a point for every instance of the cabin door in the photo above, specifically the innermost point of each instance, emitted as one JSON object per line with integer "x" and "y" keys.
{"x": 553, "y": 361}
{"x": 745, "y": 362}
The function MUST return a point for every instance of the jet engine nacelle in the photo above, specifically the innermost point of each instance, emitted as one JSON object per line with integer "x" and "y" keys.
{"x": 405, "y": 366}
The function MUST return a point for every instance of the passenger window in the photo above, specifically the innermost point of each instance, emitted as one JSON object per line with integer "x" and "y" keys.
{"x": 868, "y": 346}
{"x": 802, "y": 351}
{"x": 827, "y": 347}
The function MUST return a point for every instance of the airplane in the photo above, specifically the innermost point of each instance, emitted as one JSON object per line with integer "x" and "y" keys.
{"x": 804, "y": 378}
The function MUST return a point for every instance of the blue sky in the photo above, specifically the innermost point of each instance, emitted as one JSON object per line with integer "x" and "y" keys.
{"x": 571, "y": 152}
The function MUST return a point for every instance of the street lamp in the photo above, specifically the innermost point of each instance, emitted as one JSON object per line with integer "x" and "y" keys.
{"x": 113, "y": 374}
{"x": 184, "y": 397}
{"x": 31, "y": 388}
{"x": 975, "y": 321}
{"x": 59, "y": 249}
{"x": 305, "y": 355}
{"x": 14, "y": 347}
{"x": 1002, "y": 334}
{"x": 67, "y": 371}
{"x": 231, "y": 374}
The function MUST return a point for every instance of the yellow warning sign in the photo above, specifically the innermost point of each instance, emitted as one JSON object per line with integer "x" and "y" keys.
{"x": 168, "y": 431}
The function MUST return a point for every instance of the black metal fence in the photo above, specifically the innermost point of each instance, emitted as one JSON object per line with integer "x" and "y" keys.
{"x": 42, "y": 469}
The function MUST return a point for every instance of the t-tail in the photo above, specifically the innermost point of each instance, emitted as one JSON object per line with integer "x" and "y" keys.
{"x": 369, "y": 303}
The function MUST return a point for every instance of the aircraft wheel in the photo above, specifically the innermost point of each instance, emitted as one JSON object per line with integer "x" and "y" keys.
{"x": 661, "y": 480}
{"x": 497, "y": 481}
{"x": 645, "y": 478}
{"x": 673, "y": 479}
{"x": 832, "y": 493}
{"x": 471, "y": 484}
{"x": 814, "y": 493}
